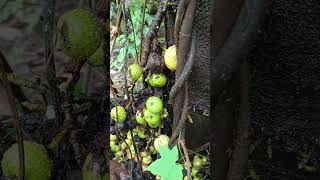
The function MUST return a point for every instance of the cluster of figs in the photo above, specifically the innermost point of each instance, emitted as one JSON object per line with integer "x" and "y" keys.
{"x": 148, "y": 119}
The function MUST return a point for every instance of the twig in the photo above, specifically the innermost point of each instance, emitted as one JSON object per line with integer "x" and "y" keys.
{"x": 116, "y": 34}
{"x": 134, "y": 37}
{"x": 142, "y": 27}
{"x": 186, "y": 155}
{"x": 201, "y": 148}
{"x": 67, "y": 107}
{"x": 16, "y": 90}
{"x": 153, "y": 31}
{"x": 7, "y": 87}
{"x": 125, "y": 67}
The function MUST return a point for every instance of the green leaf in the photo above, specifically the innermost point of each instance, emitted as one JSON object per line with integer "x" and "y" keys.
{"x": 122, "y": 54}
{"x": 166, "y": 166}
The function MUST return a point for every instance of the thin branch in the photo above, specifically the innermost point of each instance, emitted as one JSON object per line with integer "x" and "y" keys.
{"x": 182, "y": 143}
{"x": 116, "y": 33}
{"x": 153, "y": 32}
{"x": 125, "y": 67}
{"x": 7, "y": 87}
{"x": 142, "y": 28}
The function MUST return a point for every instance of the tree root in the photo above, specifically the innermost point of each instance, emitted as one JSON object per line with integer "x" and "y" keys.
{"x": 185, "y": 72}
{"x": 182, "y": 120}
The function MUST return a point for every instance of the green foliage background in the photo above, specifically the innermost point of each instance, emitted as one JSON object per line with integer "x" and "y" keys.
{"x": 135, "y": 7}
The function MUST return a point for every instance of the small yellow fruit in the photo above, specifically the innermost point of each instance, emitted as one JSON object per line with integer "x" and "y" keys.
{"x": 124, "y": 146}
{"x": 194, "y": 172}
{"x": 113, "y": 137}
{"x": 152, "y": 150}
{"x": 118, "y": 154}
{"x": 197, "y": 163}
{"x": 170, "y": 58}
{"x": 162, "y": 140}
{"x": 147, "y": 160}
{"x": 129, "y": 141}
{"x": 115, "y": 148}
{"x": 112, "y": 143}
{"x": 144, "y": 154}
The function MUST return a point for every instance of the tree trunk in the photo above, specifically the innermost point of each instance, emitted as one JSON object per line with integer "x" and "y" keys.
{"x": 198, "y": 132}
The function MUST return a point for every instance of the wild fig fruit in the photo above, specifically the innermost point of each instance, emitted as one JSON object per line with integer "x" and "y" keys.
{"x": 140, "y": 118}
{"x": 157, "y": 80}
{"x": 154, "y": 104}
{"x": 38, "y": 166}
{"x": 162, "y": 140}
{"x": 118, "y": 113}
{"x": 79, "y": 34}
{"x": 97, "y": 58}
{"x": 135, "y": 71}
{"x": 170, "y": 58}
{"x": 153, "y": 119}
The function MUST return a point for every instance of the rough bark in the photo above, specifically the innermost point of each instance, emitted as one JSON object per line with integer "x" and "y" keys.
{"x": 284, "y": 98}
{"x": 199, "y": 91}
